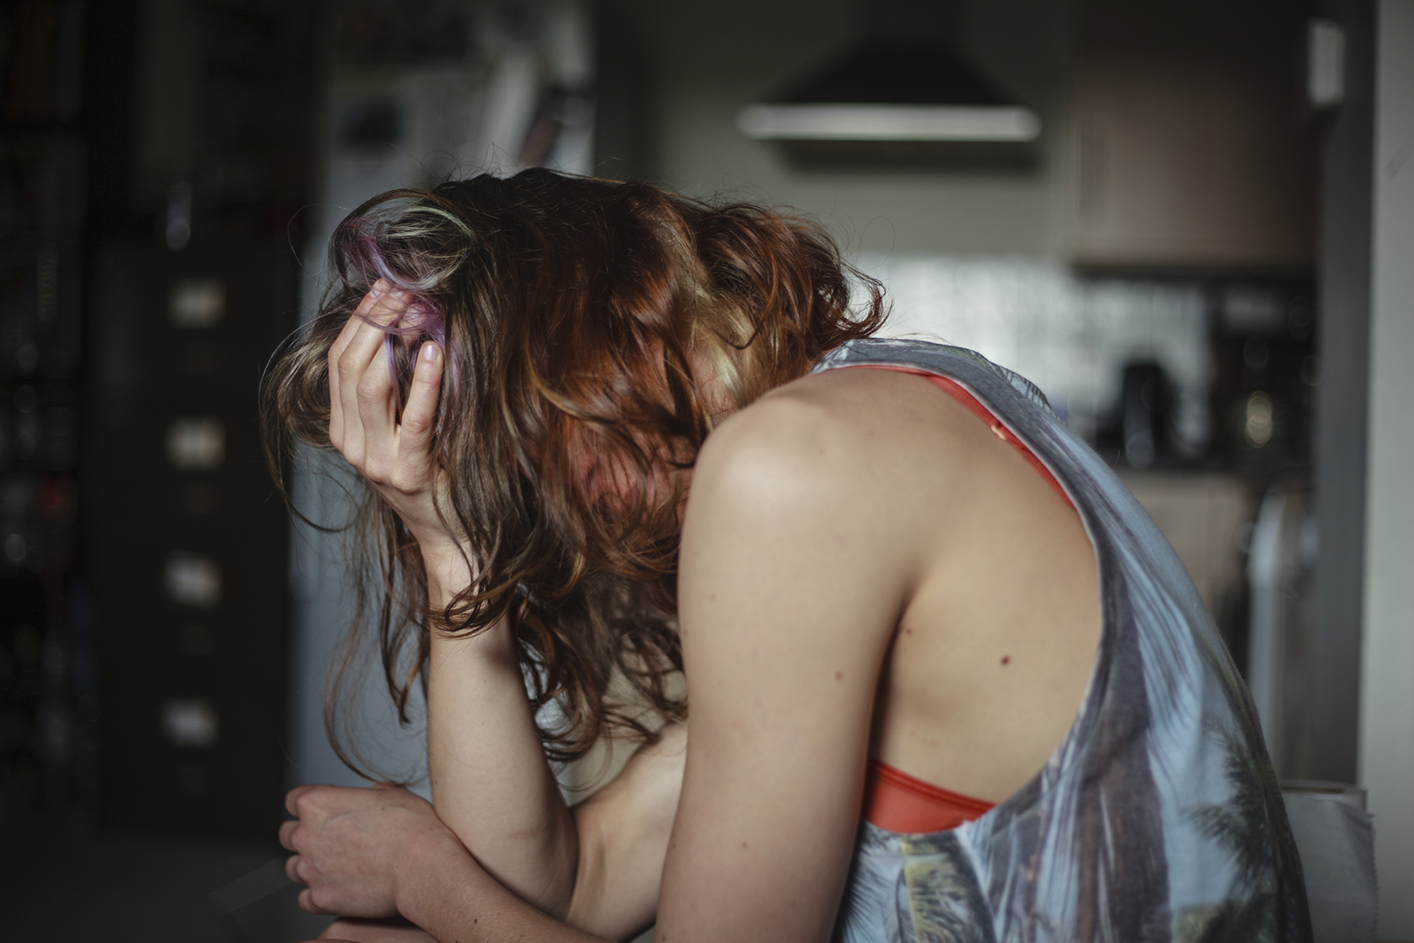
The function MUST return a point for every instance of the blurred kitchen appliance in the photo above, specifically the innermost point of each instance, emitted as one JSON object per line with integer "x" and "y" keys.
{"x": 1281, "y": 554}
{"x": 904, "y": 94}
{"x": 1146, "y": 397}
{"x": 895, "y": 103}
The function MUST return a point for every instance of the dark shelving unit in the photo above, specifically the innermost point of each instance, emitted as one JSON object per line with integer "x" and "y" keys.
{"x": 48, "y": 707}
{"x": 154, "y": 160}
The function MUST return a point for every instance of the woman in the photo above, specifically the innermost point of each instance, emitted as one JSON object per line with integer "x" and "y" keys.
{"x": 905, "y": 590}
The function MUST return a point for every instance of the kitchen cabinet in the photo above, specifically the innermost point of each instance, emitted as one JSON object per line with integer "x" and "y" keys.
{"x": 1192, "y": 149}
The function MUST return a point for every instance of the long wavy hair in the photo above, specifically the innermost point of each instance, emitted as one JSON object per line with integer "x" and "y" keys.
{"x": 594, "y": 330}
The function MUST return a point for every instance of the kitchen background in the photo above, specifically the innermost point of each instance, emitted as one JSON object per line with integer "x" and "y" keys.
{"x": 1169, "y": 217}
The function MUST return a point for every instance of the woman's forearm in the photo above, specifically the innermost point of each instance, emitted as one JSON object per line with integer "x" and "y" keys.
{"x": 491, "y": 783}
{"x": 455, "y": 900}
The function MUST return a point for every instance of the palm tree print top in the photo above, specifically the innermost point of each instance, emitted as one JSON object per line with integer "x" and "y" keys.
{"x": 1158, "y": 817}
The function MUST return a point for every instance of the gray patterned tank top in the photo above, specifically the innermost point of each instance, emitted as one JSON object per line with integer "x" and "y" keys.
{"x": 1158, "y": 817}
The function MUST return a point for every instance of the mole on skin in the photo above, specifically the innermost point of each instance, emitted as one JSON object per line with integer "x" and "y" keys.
{"x": 1006, "y": 659}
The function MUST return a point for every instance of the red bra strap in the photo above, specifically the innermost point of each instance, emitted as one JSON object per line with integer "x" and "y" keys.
{"x": 972, "y": 405}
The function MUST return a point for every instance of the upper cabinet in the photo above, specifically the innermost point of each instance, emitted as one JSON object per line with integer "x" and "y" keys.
{"x": 1193, "y": 149}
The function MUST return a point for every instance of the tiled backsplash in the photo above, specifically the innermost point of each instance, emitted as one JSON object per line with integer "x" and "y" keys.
{"x": 1070, "y": 335}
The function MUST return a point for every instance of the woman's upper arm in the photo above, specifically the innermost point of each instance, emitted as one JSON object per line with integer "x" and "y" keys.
{"x": 790, "y": 583}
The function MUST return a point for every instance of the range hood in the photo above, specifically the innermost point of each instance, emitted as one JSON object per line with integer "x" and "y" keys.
{"x": 891, "y": 103}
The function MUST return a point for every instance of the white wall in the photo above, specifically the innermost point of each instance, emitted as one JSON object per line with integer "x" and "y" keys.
{"x": 1387, "y": 682}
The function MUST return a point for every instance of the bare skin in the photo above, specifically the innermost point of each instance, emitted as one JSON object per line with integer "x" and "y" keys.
{"x": 865, "y": 570}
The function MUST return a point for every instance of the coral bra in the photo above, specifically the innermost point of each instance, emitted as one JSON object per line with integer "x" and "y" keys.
{"x": 898, "y": 802}
{"x": 894, "y": 800}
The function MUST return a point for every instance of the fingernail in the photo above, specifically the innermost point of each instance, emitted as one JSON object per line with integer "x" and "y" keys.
{"x": 430, "y": 352}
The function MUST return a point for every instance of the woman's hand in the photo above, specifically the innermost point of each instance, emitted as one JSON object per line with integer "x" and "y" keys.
{"x": 352, "y": 846}
{"x": 392, "y": 453}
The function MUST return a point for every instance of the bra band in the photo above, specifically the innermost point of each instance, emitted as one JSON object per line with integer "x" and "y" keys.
{"x": 898, "y": 802}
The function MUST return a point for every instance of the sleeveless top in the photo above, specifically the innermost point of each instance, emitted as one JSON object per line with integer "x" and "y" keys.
{"x": 1158, "y": 816}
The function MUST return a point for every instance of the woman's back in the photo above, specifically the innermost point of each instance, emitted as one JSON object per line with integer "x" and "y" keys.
{"x": 991, "y": 657}
{"x": 1153, "y": 814}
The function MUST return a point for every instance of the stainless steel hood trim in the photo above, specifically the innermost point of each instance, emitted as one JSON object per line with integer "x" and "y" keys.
{"x": 869, "y": 122}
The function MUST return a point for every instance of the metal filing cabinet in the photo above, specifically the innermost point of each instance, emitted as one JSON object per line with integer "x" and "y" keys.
{"x": 188, "y": 539}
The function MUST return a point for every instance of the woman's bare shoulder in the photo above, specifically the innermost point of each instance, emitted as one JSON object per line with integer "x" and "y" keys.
{"x": 840, "y": 428}
{"x": 862, "y": 458}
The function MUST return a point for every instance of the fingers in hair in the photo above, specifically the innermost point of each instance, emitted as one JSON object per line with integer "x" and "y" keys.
{"x": 365, "y": 386}
{"x": 420, "y": 411}
{"x": 376, "y": 396}
{"x": 336, "y": 352}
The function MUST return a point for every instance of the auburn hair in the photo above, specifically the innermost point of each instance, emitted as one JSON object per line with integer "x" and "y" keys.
{"x": 593, "y": 331}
